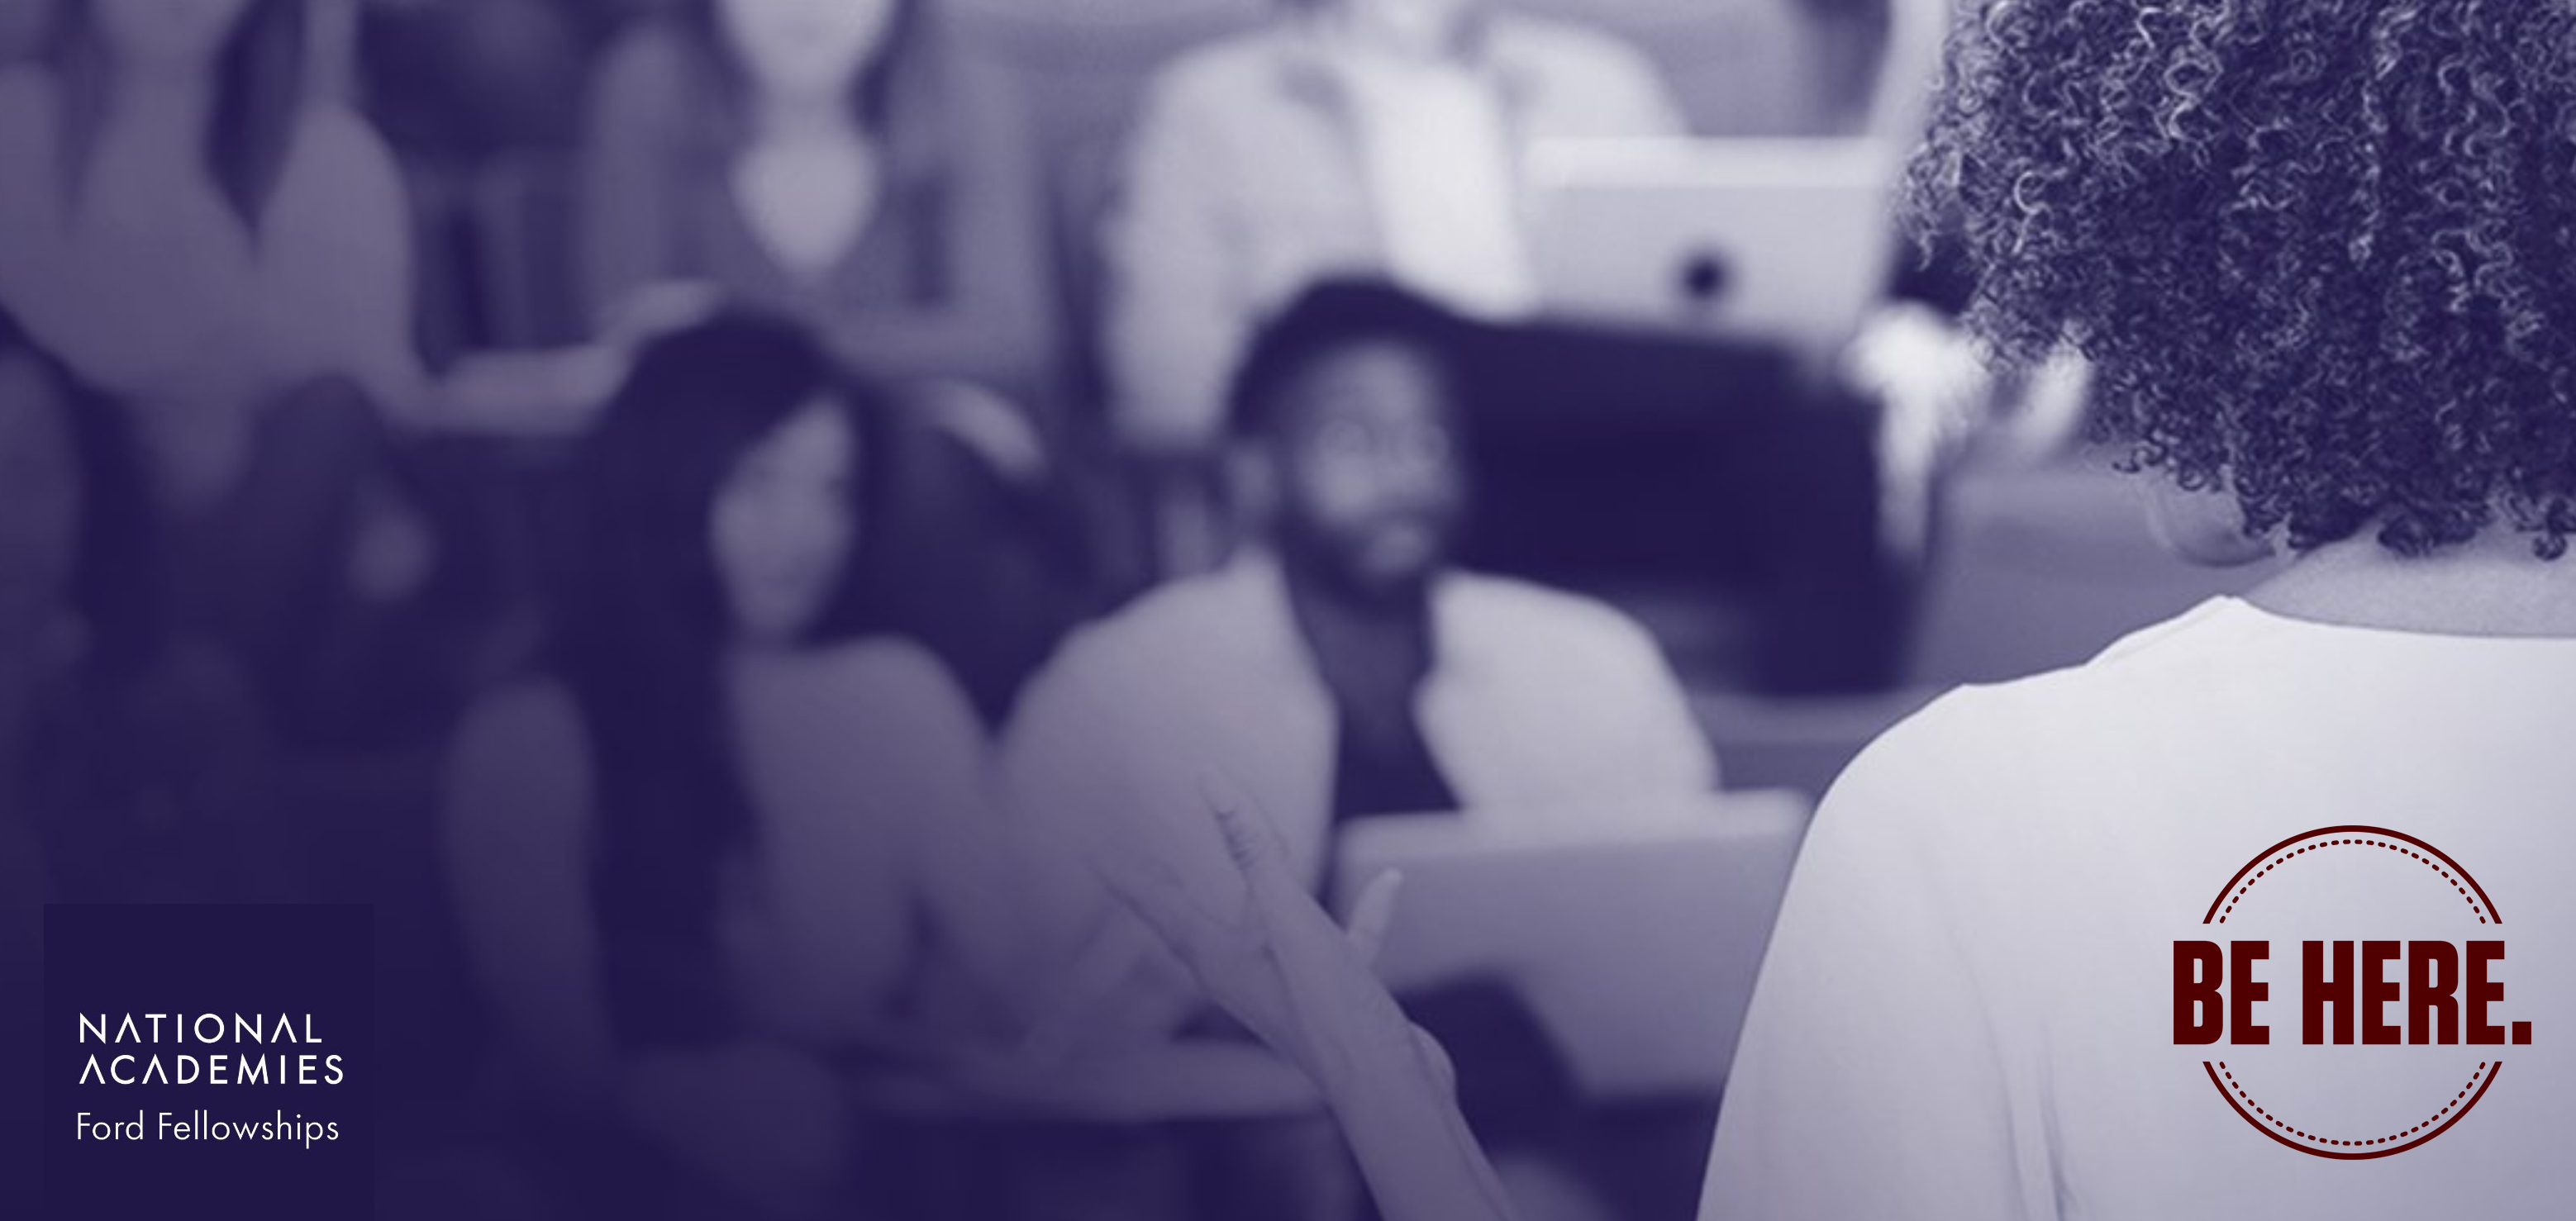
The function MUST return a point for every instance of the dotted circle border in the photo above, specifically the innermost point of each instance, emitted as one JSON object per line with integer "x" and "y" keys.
{"x": 2286, "y": 857}
{"x": 2278, "y": 1122}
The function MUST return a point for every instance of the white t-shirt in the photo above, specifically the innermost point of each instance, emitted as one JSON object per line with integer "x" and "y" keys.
{"x": 1445, "y": 181}
{"x": 1968, "y": 1009}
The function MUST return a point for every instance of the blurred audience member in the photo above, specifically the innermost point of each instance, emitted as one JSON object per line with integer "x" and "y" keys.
{"x": 135, "y": 755}
{"x": 1342, "y": 669}
{"x": 721, "y": 837}
{"x": 843, "y": 162}
{"x": 193, "y": 232}
{"x": 1351, "y": 137}
{"x": 834, "y": 159}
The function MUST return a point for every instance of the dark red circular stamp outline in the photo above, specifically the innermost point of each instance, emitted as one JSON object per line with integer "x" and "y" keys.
{"x": 2217, "y": 914}
{"x": 2214, "y": 905}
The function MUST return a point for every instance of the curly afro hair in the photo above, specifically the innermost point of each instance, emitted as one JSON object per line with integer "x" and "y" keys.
{"x": 2322, "y": 253}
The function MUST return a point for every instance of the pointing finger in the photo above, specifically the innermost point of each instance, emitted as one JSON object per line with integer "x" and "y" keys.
{"x": 1373, "y": 914}
{"x": 1252, "y": 839}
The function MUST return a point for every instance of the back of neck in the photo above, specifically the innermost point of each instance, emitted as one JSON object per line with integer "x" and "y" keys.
{"x": 2494, "y": 585}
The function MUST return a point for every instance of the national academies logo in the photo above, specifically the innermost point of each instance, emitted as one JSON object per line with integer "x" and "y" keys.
{"x": 196, "y": 1053}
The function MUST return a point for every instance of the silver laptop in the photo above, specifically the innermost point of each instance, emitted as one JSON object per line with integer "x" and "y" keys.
{"x": 1636, "y": 947}
{"x": 1790, "y": 240}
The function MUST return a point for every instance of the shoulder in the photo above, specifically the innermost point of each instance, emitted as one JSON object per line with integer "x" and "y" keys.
{"x": 886, "y": 724}
{"x": 1949, "y": 742}
{"x": 1191, "y": 617}
{"x": 340, "y": 177}
{"x": 2033, "y": 746}
{"x": 1573, "y": 628}
{"x": 1568, "y": 51}
{"x": 1189, "y": 633}
{"x": 889, "y": 713}
{"x": 2142, "y": 675}
{"x": 1176, "y": 614}
{"x": 895, "y": 675}
{"x": 1223, "y": 73}
{"x": 334, "y": 144}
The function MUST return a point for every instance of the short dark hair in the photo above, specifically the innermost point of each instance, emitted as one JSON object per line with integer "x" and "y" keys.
{"x": 2320, "y": 253}
{"x": 1327, "y": 318}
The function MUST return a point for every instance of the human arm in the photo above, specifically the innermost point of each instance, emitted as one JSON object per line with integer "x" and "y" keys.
{"x": 1662, "y": 747}
{"x": 868, "y": 779}
{"x": 969, "y": 875}
{"x": 1636, "y": 99}
{"x": 1595, "y": 85}
{"x": 1086, "y": 746}
{"x": 514, "y": 848}
{"x": 1177, "y": 307}
{"x": 1592, "y": 719}
{"x": 631, "y": 134}
{"x": 1276, "y": 961}
{"x": 339, "y": 236}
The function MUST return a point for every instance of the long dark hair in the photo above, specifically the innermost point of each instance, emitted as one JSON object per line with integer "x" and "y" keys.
{"x": 899, "y": 97}
{"x": 261, "y": 91}
{"x": 642, "y": 632}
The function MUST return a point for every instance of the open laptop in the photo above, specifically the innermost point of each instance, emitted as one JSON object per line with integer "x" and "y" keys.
{"x": 1635, "y": 946}
{"x": 1790, "y": 240}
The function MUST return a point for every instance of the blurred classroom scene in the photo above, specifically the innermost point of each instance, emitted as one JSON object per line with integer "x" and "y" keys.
{"x": 718, "y": 517}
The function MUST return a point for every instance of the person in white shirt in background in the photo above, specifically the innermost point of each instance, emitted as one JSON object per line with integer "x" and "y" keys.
{"x": 1349, "y": 137}
{"x": 1342, "y": 669}
{"x": 2321, "y": 260}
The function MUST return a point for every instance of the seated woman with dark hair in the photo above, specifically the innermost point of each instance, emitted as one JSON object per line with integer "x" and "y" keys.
{"x": 2322, "y": 260}
{"x": 846, "y": 163}
{"x": 837, "y": 160}
{"x": 721, "y": 838}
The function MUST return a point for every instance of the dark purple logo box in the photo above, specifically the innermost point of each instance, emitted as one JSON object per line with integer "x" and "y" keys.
{"x": 301, "y": 962}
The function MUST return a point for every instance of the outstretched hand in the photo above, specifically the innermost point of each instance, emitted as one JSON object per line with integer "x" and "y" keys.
{"x": 1269, "y": 954}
